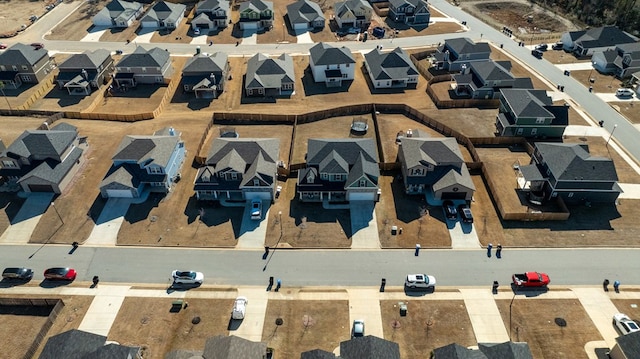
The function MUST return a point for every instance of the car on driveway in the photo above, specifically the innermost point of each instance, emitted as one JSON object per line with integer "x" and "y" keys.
{"x": 465, "y": 213}
{"x": 558, "y": 45}
{"x": 256, "y": 209}
{"x": 542, "y": 47}
{"x": 624, "y": 93}
{"x": 624, "y": 324}
{"x": 358, "y": 328}
{"x": 60, "y": 273}
{"x": 239, "y": 308}
{"x": 16, "y": 273}
{"x": 187, "y": 277}
{"x": 449, "y": 210}
{"x": 415, "y": 281}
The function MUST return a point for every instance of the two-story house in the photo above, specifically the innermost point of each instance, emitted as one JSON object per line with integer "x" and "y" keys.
{"x": 569, "y": 171}
{"x": 239, "y": 169}
{"x": 627, "y": 60}
{"x": 455, "y": 53}
{"x": 485, "y": 79}
{"x": 164, "y": 15}
{"x": 144, "y": 67}
{"x": 530, "y": 113}
{"x": 391, "y": 69}
{"x": 205, "y": 75}
{"x": 43, "y": 160}
{"x": 410, "y": 12}
{"x": 269, "y": 77}
{"x": 434, "y": 166}
{"x": 211, "y": 15}
{"x": 331, "y": 65}
{"x": 256, "y": 15}
{"x": 587, "y": 42}
{"x": 352, "y": 13}
{"x": 118, "y": 14}
{"x": 339, "y": 170}
{"x": 305, "y": 15}
{"x": 24, "y": 64}
{"x": 143, "y": 164}
{"x": 82, "y": 73}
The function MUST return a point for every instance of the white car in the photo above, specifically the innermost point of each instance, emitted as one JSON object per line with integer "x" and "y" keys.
{"x": 624, "y": 93}
{"x": 187, "y": 277}
{"x": 256, "y": 209}
{"x": 239, "y": 308}
{"x": 624, "y": 324}
{"x": 358, "y": 328}
{"x": 414, "y": 281}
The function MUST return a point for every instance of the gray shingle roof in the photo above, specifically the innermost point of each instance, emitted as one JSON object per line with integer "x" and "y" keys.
{"x": 184, "y": 354}
{"x": 141, "y": 57}
{"x": 256, "y": 5}
{"x": 139, "y": 149}
{"x": 464, "y": 45}
{"x": 528, "y": 103}
{"x": 113, "y": 351}
{"x": 491, "y": 71}
{"x": 86, "y": 60}
{"x": 265, "y": 72}
{"x": 211, "y": 5}
{"x": 604, "y": 36}
{"x": 457, "y": 351}
{"x": 392, "y": 65}
{"x": 323, "y": 54}
{"x": 19, "y": 54}
{"x": 120, "y": 5}
{"x": 72, "y": 344}
{"x": 43, "y": 144}
{"x": 53, "y": 171}
{"x": 630, "y": 344}
{"x": 433, "y": 151}
{"x": 369, "y": 347}
{"x": 347, "y": 148}
{"x": 232, "y": 347}
{"x": 317, "y": 354}
{"x": 205, "y": 64}
{"x": 572, "y": 161}
{"x": 165, "y": 11}
{"x": 304, "y": 11}
{"x": 342, "y": 7}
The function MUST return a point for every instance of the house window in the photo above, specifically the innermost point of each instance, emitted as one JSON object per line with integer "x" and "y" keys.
{"x": 25, "y": 78}
{"x": 534, "y": 131}
{"x": 234, "y": 175}
{"x": 344, "y": 76}
{"x": 15, "y": 68}
{"x": 519, "y": 131}
{"x": 570, "y": 194}
{"x": 128, "y": 69}
{"x": 324, "y": 176}
{"x": 540, "y": 120}
{"x": 363, "y": 183}
{"x": 347, "y": 65}
{"x": 418, "y": 172}
{"x": 249, "y": 92}
{"x": 144, "y": 69}
{"x": 256, "y": 182}
{"x": 3, "y": 68}
{"x": 9, "y": 164}
{"x": 155, "y": 170}
{"x": 24, "y": 68}
{"x": 327, "y": 67}
{"x": 186, "y": 87}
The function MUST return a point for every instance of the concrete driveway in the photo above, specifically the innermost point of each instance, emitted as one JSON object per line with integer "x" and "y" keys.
{"x": 95, "y": 33}
{"x": 105, "y": 232}
{"x": 253, "y": 231}
{"x": 364, "y": 227}
{"x": 25, "y": 221}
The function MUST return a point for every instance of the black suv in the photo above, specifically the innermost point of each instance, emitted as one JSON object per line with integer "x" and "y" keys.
{"x": 465, "y": 213}
{"x": 24, "y": 274}
{"x": 449, "y": 210}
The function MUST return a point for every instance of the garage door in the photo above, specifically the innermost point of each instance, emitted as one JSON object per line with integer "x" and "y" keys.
{"x": 265, "y": 196}
{"x": 149, "y": 24}
{"x": 300, "y": 26}
{"x": 40, "y": 188}
{"x": 119, "y": 193}
{"x": 249, "y": 25}
{"x": 453, "y": 195}
{"x": 361, "y": 196}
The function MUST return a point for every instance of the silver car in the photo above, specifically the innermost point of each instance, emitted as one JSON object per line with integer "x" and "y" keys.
{"x": 187, "y": 277}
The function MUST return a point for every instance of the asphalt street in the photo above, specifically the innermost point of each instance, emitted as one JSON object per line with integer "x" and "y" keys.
{"x": 330, "y": 267}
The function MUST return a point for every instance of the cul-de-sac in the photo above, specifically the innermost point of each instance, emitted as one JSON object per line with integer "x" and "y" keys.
{"x": 317, "y": 179}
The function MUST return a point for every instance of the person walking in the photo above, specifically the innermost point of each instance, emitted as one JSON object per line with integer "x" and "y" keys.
{"x": 489, "y": 247}
{"x": 499, "y": 251}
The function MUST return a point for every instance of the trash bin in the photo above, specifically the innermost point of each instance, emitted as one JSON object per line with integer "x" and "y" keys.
{"x": 403, "y": 309}
{"x": 495, "y": 286}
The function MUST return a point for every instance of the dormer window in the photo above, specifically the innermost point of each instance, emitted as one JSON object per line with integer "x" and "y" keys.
{"x": 233, "y": 175}
{"x": 311, "y": 177}
{"x": 154, "y": 170}
{"x": 9, "y": 164}
{"x": 256, "y": 182}
{"x": 363, "y": 183}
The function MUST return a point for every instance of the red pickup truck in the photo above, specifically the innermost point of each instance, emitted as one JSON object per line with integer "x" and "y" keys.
{"x": 530, "y": 279}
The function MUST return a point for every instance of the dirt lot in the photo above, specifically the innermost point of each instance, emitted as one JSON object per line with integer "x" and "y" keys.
{"x": 429, "y": 324}
{"x": 534, "y": 321}
{"x": 628, "y": 110}
{"x": 15, "y": 13}
{"x": 307, "y": 325}
{"x": 148, "y": 323}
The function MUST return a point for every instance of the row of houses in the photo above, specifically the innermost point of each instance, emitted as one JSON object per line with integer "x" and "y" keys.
{"x": 256, "y": 14}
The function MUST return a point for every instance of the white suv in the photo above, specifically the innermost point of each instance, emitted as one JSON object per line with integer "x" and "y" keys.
{"x": 624, "y": 324}
{"x": 414, "y": 281}
{"x": 239, "y": 308}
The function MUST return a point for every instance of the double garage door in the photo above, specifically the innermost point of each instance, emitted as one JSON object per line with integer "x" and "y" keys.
{"x": 40, "y": 188}
{"x": 119, "y": 193}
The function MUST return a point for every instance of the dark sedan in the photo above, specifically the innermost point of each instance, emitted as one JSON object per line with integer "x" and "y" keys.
{"x": 23, "y": 274}
{"x": 449, "y": 210}
{"x": 60, "y": 273}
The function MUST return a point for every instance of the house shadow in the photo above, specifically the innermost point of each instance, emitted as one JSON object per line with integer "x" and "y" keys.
{"x": 139, "y": 91}
{"x": 140, "y": 211}
{"x": 409, "y": 208}
{"x": 197, "y": 104}
{"x": 385, "y": 91}
{"x": 315, "y": 213}
{"x": 96, "y": 208}
{"x": 582, "y": 218}
{"x": 212, "y": 213}
{"x": 319, "y": 88}
{"x": 17, "y": 92}
{"x": 361, "y": 215}
{"x": 64, "y": 98}
{"x": 11, "y": 203}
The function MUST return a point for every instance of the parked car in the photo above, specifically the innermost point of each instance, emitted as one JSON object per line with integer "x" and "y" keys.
{"x": 3, "y": 46}
{"x": 449, "y": 210}
{"x": 414, "y": 281}
{"x": 537, "y": 53}
{"x": 557, "y": 46}
{"x": 542, "y": 47}
{"x": 60, "y": 273}
{"x": 187, "y": 277}
{"x": 624, "y": 93}
{"x": 15, "y": 273}
{"x": 37, "y": 45}
{"x": 358, "y": 328}
{"x": 239, "y": 308}
{"x": 531, "y": 279}
{"x": 465, "y": 213}
{"x": 256, "y": 209}
{"x": 624, "y": 324}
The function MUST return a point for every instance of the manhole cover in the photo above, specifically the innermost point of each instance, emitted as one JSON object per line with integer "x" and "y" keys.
{"x": 561, "y": 322}
{"x": 195, "y": 320}
{"x": 279, "y": 321}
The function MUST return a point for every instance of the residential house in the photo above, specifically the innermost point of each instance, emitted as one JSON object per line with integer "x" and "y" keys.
{"x": 224, "y": 347}
{"x": 143, "y": 164}
{"x": 435, "y": 166}
{"x": 353, "y": 13}
{"x": 368, "y": 347}
{"x": 530, "y": 113}
{"x": 211, "y": 14}
{"x": 569, "y": 171}
{"x": 455, "y": 53}
{"x": 305, "y": 15}
{"x": 339, "y": 170}
{"x": 82, "y": 73}
{"x": 118, "y": 14}
{"x": 144, "y": 67}
{"x": 587, "y": 42}
{"x": 164, "y": 15}
{"x": 391, "y": 69}
{"x": 410, "y": 12}
{"x": 205, "y": 75}
{"x": 269, "y": 77}
{"x": 239, "y": 169}
{"x": 485, "y": 79}
{"x": 43, "y": 160}
{"x": 24, "y": 64}
{"x": 507, "y": 350}
{"x": 76, "y": 343}
{"x": 331, "y": 65}
{"x": 626, "y": 347}
{"x": 628, "y": 60}
{"x": 318, "y": 354}
{"x": 256, "y": 15}
{"x": 604, "y": 61}
{"x": 635, "y": 79}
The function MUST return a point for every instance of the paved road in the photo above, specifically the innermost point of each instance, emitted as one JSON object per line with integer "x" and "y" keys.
{"x": 328, "y": 268}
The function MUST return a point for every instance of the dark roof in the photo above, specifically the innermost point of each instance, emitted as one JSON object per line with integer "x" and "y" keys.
{"x": 19, "y": 54}
{"x": 348, "y": 149}
{"x": 369, "y": 347}
{"x": 457, "y": 351}
{"x": 323, "y": 54}
{"x": 43, "y": 144}
{"x": 72, "y": 344}
{"x": 527, "y": 103}
{"x": 604, "y": 36}
{"x": 464, "y": 45}
{"x": 491, "y": 71}
{"x": 630, "y": 344}
{"x": 184, "y": 354}
{"x": 506, "y": 350}
{"x": 265, "y": 72}
{"x": 232, "y": 347}
{"x": 317, "y": 354}
{"x": 572, "y": 161}
{"x": 141, "y": 57}
{"x": 157, "y": 148}
{"x": 391, "y": 65}
{"x": 54, "y": 171}
{"x": 165, "y": 11}
{"x": 256, "y": 5}
{"x": 87, "y": 60}
{"x": 113, "y": 351}
{"x": 304, "y": 11}
{"x": 205, "y": 64}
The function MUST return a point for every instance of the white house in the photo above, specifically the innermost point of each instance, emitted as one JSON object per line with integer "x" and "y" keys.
{"x": 353, "y": 13}
{"x": 331, "y": 65}
{"x": 118, "y": 13}
{"x": 164, "y": 15}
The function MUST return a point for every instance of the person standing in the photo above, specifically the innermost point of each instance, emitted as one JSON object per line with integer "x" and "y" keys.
{"x": 489, "y": 247}
{"x": 499, "y": 251}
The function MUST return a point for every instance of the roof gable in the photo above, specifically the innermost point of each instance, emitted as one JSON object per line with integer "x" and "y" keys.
{"x": 322, "y": 54}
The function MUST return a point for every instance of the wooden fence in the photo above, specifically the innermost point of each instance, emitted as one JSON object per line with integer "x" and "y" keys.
{"x": 42, "y": 89}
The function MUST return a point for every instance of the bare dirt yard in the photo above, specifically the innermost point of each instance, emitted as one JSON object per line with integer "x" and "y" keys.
{"x": 16, "y": 13}
{"x": 553, "y": 328}
{"x": 306, "y": 325}
{"x": 429, "y": 324}
{"x": 628, "y": 110}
